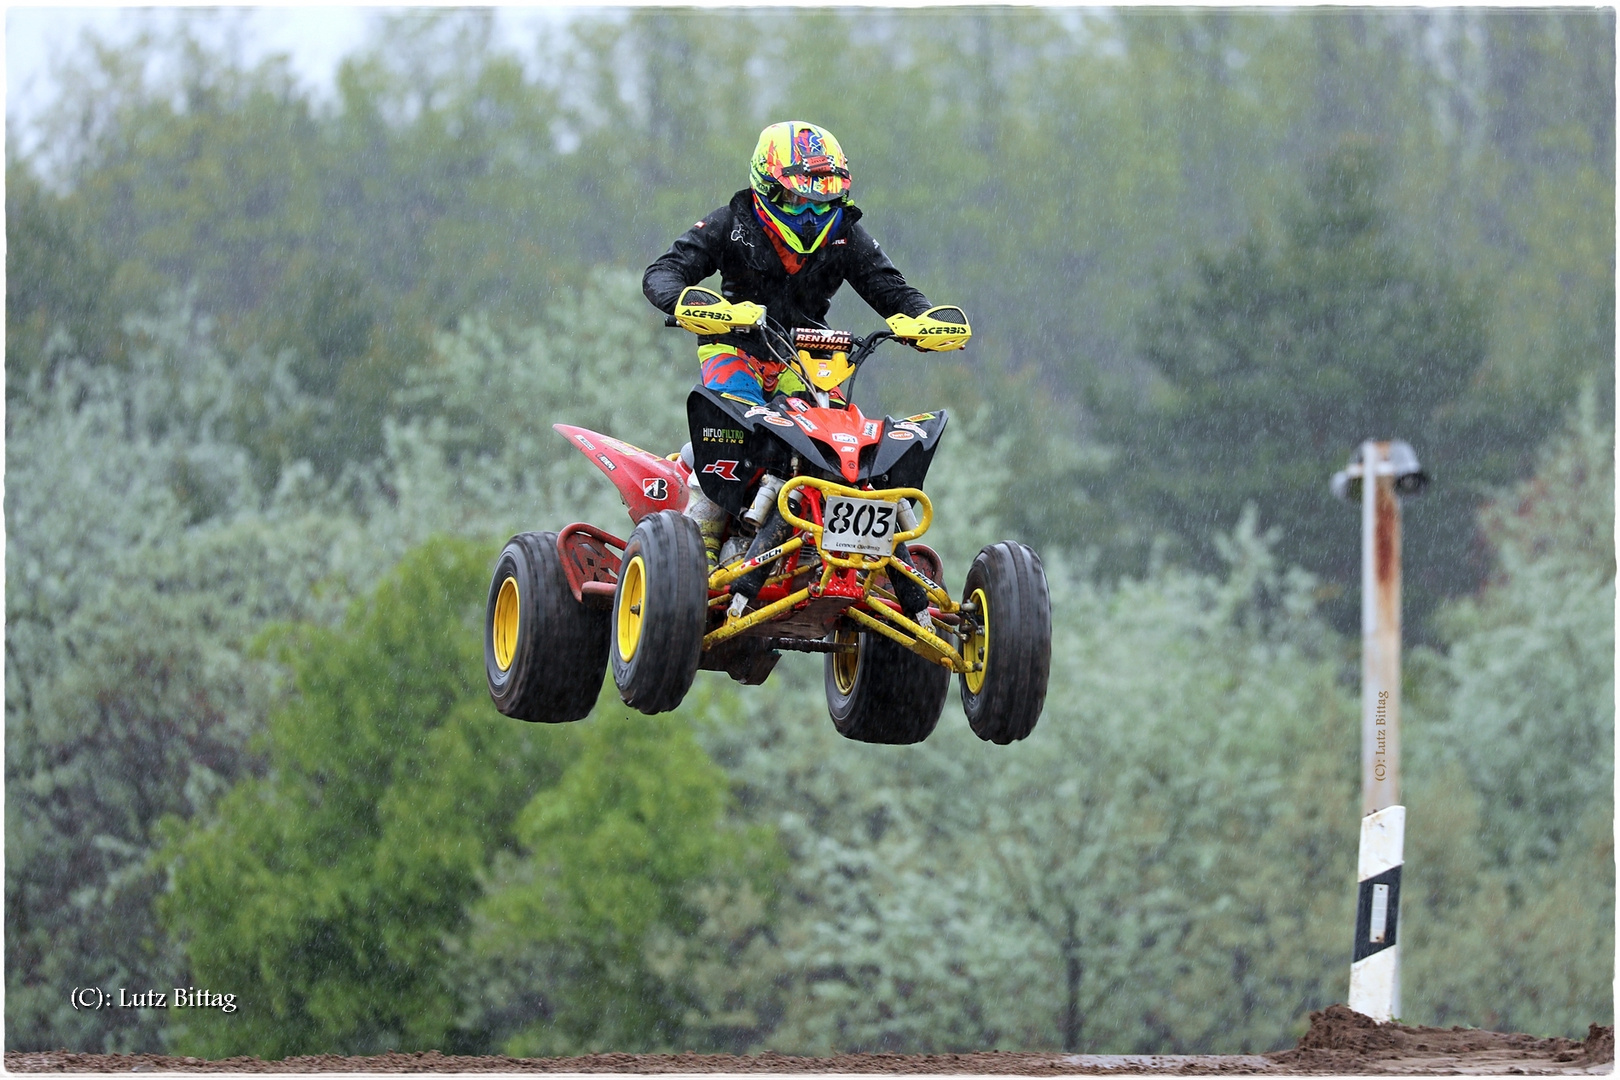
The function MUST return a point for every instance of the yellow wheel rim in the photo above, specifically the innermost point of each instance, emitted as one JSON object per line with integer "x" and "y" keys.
{"x": 632, "y": 595}
{"x": 977, "y": 648}
{"x": 505, "y": 624}
{"x": 845, "y": 664}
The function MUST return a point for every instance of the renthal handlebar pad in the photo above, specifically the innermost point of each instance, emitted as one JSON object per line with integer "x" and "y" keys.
{"x": 809, "y": 337}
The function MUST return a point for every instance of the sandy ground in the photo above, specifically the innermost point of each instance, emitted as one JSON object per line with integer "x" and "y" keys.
{"x": 1339, "y": 1043}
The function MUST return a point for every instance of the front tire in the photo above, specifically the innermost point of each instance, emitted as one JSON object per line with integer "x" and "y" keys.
{"x": 659, "y": 612}
{"x": 1011, "y": 638}
{"x": 883, "y": 692}
{"x": 544, "y": 651}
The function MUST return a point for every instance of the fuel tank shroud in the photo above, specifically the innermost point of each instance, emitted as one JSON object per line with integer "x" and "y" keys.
{"x": 733, "y": 441}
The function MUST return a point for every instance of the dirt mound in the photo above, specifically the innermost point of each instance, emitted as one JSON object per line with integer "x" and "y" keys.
{"x": 1342, "y": 1041}
{"x": 1599, "y": 1044}
{"x": 969, "y": 1064}
{"x": 1339, "y": 1042}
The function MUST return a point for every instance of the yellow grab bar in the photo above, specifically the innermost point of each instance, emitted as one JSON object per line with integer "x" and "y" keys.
{"x": 828, "y": 487}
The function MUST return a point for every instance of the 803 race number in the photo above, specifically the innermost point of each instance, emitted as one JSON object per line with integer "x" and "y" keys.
{"x": 866, "y": 526}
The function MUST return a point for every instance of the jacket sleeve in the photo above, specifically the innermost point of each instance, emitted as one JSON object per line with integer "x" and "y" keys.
{"x": 691, "y": 258}
{"x": 876, "y": 280}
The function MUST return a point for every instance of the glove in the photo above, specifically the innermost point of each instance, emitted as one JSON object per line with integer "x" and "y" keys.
{"x": 704, "y": 311}
{"x": 938, "y": 329}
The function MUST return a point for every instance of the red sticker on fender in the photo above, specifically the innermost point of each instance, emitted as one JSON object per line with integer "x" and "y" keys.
{"x": 725, "y": 470}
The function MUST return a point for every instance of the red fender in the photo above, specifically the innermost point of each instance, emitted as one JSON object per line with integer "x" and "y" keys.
{"x": 845, "y": 430}
{"x": 647, "y": 483}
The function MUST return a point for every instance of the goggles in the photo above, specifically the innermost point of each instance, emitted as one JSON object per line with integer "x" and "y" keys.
{"x": 794, "y": 204}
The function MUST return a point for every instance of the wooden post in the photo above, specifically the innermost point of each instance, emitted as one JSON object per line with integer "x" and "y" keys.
{"x": 1380, "y": 633}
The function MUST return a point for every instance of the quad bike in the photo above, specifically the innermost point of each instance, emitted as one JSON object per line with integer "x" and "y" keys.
{"x": 823, "y": 506}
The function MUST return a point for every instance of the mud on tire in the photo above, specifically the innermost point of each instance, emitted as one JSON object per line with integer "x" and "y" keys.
{"x": 544, "y": 651}
{"x": 659, "y": 612}
{"x": 1013, "y": 640}
{"x": 883, "y": 692}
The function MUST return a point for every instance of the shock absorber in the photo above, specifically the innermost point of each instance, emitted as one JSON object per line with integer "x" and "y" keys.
{"x": 764, "y": 500}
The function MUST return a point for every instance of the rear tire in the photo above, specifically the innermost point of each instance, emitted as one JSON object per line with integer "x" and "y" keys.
{"x": 883, "y": 692}
{"x": 544, "y": 651}
{"x": 659, "y": 611}
{"x": 1013, "y": 640}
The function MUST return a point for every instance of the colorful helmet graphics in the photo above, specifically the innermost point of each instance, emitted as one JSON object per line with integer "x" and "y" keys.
{"x": 801, "y": 180}
{"x": 799, "y": 159}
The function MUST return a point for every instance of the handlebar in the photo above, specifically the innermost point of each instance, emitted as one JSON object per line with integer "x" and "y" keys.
{"x": 860, "y": 348}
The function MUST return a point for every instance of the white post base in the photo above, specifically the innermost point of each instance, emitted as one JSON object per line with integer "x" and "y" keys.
{"x": 1375, "y": 969}
{"x": 1375, "y": 985}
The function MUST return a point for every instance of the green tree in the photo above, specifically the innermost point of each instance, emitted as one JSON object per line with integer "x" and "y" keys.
{"x": 1094, "y": 150}
{"x": 195, "y": 169}
{"x": 1186, "y": 827}
{"x": 58, "y": 280}
{"x": 1532, "y": 715}
{"x": 1281, "y": 357}
{"x": 142, "y": 559}
{"x": 140, "y": 562}
{"x": 1513, "y": 754}
{"x": 333, "y": 396}
{"x": 321, "y": 894}
{"x": 1165, "y": 865}
{"x": 471, "y": 449}
{"x": 613, "y": 859}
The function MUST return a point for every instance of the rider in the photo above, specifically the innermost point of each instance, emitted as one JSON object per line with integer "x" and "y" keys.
{"x": 786, "y": 243}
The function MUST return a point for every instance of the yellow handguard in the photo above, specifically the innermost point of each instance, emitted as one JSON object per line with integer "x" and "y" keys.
{"x": 704, "y": 311}
{"x": 938, "y": 329}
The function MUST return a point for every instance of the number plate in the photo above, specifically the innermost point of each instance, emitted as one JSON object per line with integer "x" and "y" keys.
{"x": 862, "y": 525}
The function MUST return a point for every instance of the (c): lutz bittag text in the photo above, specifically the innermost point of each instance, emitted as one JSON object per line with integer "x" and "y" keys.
{"x": 181, "y": 997}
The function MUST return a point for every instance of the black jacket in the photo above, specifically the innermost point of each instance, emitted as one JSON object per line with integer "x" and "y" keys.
{"x": 732, "y": 241}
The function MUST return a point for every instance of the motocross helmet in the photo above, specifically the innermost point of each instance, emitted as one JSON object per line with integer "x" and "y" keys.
{"x": 800, "y": 179}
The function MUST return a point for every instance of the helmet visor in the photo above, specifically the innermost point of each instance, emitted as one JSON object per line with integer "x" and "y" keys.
{"x": 817, "y": 179}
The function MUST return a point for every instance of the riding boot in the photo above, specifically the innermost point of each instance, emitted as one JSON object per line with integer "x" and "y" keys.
{"x": 711, "y": 521}
{"x": 913, "y": 600}
{"x": 773, "y": 532}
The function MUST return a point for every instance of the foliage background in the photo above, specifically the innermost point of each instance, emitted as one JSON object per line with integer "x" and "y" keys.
{"x": 279, "y": 377}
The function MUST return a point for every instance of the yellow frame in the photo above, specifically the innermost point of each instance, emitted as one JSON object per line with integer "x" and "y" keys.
{"x": 866, "y": 612}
